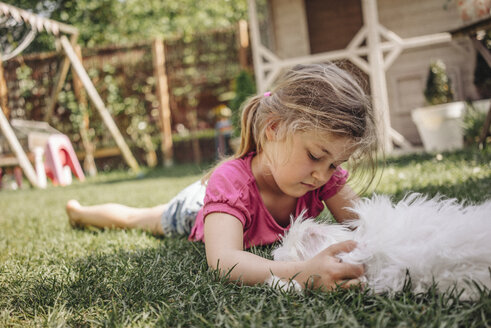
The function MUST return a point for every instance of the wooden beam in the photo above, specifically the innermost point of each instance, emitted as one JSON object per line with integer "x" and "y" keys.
{"x": 89, "y": 163}
{"x": 150, "y": 155}
{"x": 399, "y": 139}
{"x": 3, "y": 91}
{"x": 480, "y": 25}
{"x": 423, "y": 40}
{"x": 99, "y": 104}
{"x": 101, "y": 153}
{"x": 378, "y": 83}
{"x": 35, "y": 57}
{"x": 485, "y": 52}
{"x": 192, "y": 118}
{"x": 58, "y": 85}
{"x": 256, "y": 44}
{"x": 162, "y": 88}
{"x": 243, "y": 37}
{"x": 17, "y": 150}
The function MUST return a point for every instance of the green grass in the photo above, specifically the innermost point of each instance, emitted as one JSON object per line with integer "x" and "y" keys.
{"x": 52, "y": 275}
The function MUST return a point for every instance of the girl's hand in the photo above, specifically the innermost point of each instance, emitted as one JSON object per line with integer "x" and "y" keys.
{"x": 224, "y": 242}
{"x": 326, "y": 271}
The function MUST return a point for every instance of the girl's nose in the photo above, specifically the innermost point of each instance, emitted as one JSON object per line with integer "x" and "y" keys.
{"x": 322, "y": 175}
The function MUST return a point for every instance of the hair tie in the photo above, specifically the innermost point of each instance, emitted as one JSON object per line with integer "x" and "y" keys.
{"x": 267, "y": 94}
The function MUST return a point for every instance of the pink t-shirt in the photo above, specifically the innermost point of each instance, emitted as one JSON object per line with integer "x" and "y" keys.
{"x": 232, "y": 189}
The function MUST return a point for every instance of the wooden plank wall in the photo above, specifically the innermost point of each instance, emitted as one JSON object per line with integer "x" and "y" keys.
{"x": 290, "y": 28}
{"x": 406, "y": 79}
{"x": 332, "y": 23}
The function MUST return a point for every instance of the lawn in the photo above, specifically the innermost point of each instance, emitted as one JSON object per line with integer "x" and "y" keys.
{"x": 53, "y": 275}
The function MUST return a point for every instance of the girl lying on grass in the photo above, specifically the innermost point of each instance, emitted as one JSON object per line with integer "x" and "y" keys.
{"x": 293, "y": 142}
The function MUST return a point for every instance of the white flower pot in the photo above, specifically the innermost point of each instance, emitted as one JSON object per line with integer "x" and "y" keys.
{"x": 440, "y": 126}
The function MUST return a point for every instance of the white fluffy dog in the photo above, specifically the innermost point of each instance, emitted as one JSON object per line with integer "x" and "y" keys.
{"x": 433, "y": 240}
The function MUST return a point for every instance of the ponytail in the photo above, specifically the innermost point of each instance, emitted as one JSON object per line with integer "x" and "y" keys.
{"x": 247, "y": 141}
{"x": 315, "y": 97}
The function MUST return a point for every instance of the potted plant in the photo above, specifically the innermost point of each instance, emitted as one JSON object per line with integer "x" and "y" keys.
{"x": 440, "y": 123}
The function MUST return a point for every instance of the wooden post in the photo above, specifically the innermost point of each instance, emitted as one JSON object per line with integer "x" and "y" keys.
{"x": 150, "y": 156}
{"x": 243, "y": 44}
{"x": 89, "y": 163}
{"x": 192, "y": 118}
{"x": 256, "y": 43}
{"x": 378, "y": 83}
{"x": 99, "y": 104}
{"x": 58, "y": 85}
{"x": 158, "y": 54}
{"x": 17, "y": 149}
{"x": 3, "y": 92}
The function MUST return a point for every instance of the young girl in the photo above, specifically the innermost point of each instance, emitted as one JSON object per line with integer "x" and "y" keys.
{"x": 293, "y": 142}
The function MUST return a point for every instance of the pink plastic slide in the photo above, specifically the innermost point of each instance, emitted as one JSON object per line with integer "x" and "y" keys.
{"x": 61, "y": 160}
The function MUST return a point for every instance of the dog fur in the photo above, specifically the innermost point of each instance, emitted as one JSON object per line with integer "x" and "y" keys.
{"x": 433, "y": 240}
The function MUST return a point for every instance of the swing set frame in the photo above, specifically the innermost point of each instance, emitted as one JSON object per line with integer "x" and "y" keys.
{"x": 67, "y": 35}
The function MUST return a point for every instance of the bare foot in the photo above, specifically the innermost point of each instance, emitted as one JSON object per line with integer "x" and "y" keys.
{"x": 72, "y": 209}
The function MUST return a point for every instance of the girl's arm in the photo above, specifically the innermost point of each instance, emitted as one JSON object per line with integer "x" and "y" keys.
{"x": 338, "y": 203}
{"x": 224, "y": 251}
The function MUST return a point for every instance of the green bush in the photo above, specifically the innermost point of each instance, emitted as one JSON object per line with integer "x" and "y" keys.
{"x": 473, "y": 124}
{"x": 244, "y": 87}
{"x": 438, "y": 85}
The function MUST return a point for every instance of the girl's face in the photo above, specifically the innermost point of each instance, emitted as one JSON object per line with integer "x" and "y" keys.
{"x": 306, "y": 161}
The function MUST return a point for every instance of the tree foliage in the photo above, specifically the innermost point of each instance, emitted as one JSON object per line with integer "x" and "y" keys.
{"x": 244, "y": 88}
{"x": 103, "y": 22}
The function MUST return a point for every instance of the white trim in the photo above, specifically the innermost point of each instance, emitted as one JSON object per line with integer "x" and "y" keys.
{"x": 267, "y": 65}
{"x": 378, "y": 83}
{"x": 358, "y": 39}
{"x": 256, "y": 44}
{"x": 18, "y": 151}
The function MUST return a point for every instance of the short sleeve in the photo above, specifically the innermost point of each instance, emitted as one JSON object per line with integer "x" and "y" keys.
{"x": 226, "y": 195}
{"x": 337, "y": 181}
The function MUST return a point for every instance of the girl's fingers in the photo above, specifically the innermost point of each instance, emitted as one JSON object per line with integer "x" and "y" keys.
{"x": 342, "y": 247}
{"x": 351, "y": 283}
{"x": 351, "y": 271}
{"x": 345, "y": 274}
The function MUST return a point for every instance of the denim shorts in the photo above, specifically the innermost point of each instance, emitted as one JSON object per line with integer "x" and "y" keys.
{"x": 180, "y": 214}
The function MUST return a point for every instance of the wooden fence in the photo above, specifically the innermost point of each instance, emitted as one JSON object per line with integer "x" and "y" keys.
{"x": 198, "y": 72}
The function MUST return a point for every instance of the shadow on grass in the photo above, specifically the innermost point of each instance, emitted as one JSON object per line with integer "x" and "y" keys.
{"x": 466, "y": 154}
{"x": 472, "y": 191}
{"x": 170, "y": 283}
{"x": 181, "y": 170}
{"x": 121, "y": 280}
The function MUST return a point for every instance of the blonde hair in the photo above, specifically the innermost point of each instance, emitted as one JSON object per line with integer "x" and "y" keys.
{"x": 320, "y": 97}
